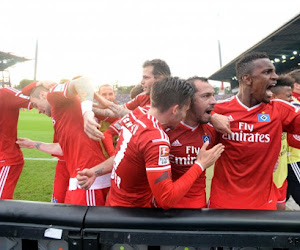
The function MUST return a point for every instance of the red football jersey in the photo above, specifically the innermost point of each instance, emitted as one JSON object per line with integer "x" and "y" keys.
{"x": 79, "y": 150}
{"x": 186, "y": 142}
{"x": 243, "y": 174}
{"x": 140, "y": 100}
{"x": 296, "y": 95}
{"x": 142, "y": 167}
{"x": 11, "y": 100}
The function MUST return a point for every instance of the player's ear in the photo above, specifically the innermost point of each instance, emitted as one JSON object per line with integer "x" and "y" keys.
{"x": 247, "y": 79}
{"x": 43, "y": 94}
{"x": 175, "y": 109}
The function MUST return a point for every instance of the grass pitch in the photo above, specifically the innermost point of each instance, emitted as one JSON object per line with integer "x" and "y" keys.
{"x": 36, "y": 180}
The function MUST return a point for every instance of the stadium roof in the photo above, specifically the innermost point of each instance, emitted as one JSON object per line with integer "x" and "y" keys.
{"x": 7, "y": 60}
{"x": 282, "y": 46}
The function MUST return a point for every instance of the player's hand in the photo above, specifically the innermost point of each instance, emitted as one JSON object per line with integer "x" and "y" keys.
{"x": 46, "y": 83}
{"x": 91, "y": 127}
{"x": 86, "y": 178}
{"x": 25, "y": 143}
{"x": 221, "y": 123}
{"x": 208, "y": 157}
{"x": 102, "y": 102}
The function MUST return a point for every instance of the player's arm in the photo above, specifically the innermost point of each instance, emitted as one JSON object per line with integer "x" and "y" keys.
{"x": 50, "y": 148}
{"x": 117, "y": 110}
{"x": 221, "y": 123}
{"x": 83, "y": 88}
{"x": 104, "y": 112}
{"x": 166, "y": 192}
{"x": 87, "y": 176}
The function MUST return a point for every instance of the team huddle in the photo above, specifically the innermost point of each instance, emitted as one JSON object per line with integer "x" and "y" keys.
{"x": 153, "y": 151}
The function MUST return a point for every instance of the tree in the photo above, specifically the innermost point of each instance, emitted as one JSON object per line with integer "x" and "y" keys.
{"x": 23, "y": 83}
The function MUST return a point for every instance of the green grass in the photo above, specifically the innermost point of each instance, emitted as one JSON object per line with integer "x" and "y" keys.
{"x": 36, "y": 180}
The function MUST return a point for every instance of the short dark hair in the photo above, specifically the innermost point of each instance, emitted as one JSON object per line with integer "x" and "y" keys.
{"x": 37, "y": 90}
{"x": 245, "y": 66}
{"x": 283, "y": 81}
{"x": 160, "y": 67}
{"x": 192, "y": 80}
{"x": 295, "y": 74}
{"x": 171, "y": 91}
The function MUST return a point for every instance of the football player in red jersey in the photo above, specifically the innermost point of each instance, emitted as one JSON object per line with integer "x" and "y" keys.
{"x": 153, "y": 70}
{"x": 243, "y": 174}
{"x": 69, "y": 104}
{"x": 11, "y": 157}
{"x": 295, "y": 74}
{"x": 187, "y": 139}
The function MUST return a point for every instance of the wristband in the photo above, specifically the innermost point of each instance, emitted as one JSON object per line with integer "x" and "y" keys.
{"x": 86, "y": 105}
{"x": 200, "y": 165}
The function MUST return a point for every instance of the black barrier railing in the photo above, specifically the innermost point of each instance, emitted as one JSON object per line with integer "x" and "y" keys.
{"x": 34, "y": 225}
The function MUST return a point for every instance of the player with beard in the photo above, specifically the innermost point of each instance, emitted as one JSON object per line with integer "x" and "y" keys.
{"x": 243, "y": 174}
{"x": 187, "y": 139}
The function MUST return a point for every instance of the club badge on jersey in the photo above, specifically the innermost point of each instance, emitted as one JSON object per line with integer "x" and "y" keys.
{"x": 163, "y": 155}
{"x": 205, "y": 138}
{"x": 264, "y": 118}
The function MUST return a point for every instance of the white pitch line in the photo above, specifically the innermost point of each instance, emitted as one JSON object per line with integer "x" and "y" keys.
{"x": 41, "y": 159}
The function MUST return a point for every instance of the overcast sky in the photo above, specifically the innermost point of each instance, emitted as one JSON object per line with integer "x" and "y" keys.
{"x": 109, "y": 40}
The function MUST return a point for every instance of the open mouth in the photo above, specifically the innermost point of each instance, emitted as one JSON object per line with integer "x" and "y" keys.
{"x": 269, "y": 90}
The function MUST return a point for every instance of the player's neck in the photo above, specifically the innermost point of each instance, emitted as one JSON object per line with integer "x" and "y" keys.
{"x": 190, "y": 120}
{"x": 161, "y": 117}
{"x": 247, "y": 99}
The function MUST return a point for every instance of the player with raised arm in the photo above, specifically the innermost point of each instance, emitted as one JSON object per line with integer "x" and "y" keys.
{"x": 68, "y": 104}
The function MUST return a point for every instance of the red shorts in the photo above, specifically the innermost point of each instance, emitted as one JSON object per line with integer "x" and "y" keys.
{"x": 61, "y": 182}
{"x": 92, "y": 197}
{"x": 281, "y": 199}
{"x": 9, "y": 176}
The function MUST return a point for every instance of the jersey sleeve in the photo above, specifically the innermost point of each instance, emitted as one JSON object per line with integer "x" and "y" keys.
{"x": 158, "y": 169}
{"x": 132, "y": 104}
{"x": 15, "y": 98}
{"x": 293, "y": 140}
{"x": 290, "y": 117}
{"x": 108, "y": 141}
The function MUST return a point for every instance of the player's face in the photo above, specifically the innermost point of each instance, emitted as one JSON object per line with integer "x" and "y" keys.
{"x": 148, "y": 79}
{"x": 203, "y": 102}
{"x": 285, "y": 94}
{"x": 263, "y": 78}
{"x": 108, "y": 93}
{"x": 41, "y": 105}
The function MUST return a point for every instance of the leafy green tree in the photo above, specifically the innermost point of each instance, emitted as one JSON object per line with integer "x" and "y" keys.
{"x": 23, "y": 83}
